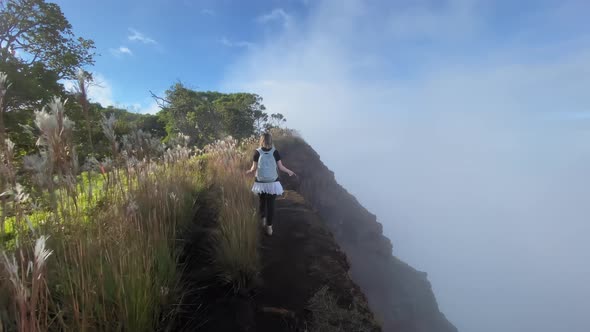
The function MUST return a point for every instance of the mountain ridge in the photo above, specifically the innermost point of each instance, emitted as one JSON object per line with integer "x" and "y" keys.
{"x": 400, "y": 296}
{"x": 303, "y": 284}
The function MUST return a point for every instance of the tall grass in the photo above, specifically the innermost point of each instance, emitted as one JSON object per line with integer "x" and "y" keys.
{"x": 123, "y": 265}
{"x": 7, "y": 173}
{"x": 93, "y": 247}
{"x": 102, "y": 259}
{"x": 236, "y": 249}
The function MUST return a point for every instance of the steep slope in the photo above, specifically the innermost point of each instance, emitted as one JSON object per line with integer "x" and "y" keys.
{"x": 400, "y": 296}
{"x": 299, "y": 261}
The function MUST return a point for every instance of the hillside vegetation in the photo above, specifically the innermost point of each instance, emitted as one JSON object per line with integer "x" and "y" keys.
{"x": 98, "y": 247}
{"x": 94, "y": 200}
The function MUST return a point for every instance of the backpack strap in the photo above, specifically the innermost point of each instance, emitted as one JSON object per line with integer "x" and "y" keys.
{"x": 271, "y": 151}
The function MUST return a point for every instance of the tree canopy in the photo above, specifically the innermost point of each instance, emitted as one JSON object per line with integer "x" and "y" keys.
{"x": 205, "y": 116}
{"x": 36, "y": 32}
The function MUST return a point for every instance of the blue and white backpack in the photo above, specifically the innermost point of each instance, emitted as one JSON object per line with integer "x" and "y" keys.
{"x": 267, "y": 166}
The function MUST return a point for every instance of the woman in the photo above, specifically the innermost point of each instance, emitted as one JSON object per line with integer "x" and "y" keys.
{"x": 265, "y": 162}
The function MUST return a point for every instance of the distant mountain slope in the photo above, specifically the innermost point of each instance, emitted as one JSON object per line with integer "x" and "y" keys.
{"x": 400, "y": 296}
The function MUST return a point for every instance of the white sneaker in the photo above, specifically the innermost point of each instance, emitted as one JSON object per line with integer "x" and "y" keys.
{"x": 269, "y": 230}
{"x": 263, "y": 221}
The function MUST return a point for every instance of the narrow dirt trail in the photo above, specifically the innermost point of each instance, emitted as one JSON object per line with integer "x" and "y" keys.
{"x": 286, "y": 259}
{"x": 297, "y": 260}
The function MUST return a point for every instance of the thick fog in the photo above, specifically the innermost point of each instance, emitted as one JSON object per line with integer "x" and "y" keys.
{"x": 465, "y": 127}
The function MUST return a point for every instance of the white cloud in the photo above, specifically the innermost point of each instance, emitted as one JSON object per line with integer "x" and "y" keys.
{"x": 99, "y": 91}
{"x": 208, "y": 12}
{"x": 122, "y": 50}
{"x": 140, "y": 37}
{"x": 125, "y": 50}
{"x": 150, "y": 107}
{"x": 277, "y": 14}
{"x": 226, "y": 42}
{"x": 481, "y": 169}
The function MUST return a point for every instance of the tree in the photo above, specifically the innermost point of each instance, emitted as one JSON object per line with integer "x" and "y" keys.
{"x": 240, "y": 112}
{"x": 32, "y": 87}
{"x": 34, "y": 31}
{"x": 191, "y": 113}
{"x": 276, "y": 121}
{"x": 37, "y": 50}
{"x": 260, "y": 120}
{"x": 207, "y": 116}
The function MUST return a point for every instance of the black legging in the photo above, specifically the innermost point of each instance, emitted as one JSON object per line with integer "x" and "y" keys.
{"x": 267, "y": 207}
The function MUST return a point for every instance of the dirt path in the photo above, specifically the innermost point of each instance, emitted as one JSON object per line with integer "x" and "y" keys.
{"x": 286, "y": 260}
{"x": 297, "y": 260}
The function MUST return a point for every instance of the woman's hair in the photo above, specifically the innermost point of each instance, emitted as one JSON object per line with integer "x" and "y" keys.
{"x": 266, "y": 140}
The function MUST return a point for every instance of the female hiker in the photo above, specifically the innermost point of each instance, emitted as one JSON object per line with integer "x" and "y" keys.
{"x": 265, "y": 162}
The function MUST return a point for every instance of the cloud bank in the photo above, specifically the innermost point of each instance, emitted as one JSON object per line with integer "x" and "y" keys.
{"x": 469, "y": 139}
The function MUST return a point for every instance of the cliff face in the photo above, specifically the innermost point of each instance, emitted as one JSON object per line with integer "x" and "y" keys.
{"x": 400, "y": 296}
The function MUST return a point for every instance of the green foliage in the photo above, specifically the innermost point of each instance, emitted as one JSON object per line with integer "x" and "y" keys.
{"x": 120, "y": 270}
{"x": 236, "y": 113}
{"x": 98, "y": 182}
{"x": 32, "y": 86}
{"x": 208, "y": 116}
{"x": 41, "y": 34}
{"x": 192, "y": 113}
{"x": 37, "y": 49}
{"x": 114, "y": 259}
{"x": 126, "y": 124}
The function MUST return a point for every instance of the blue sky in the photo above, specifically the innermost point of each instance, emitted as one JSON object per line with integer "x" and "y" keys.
{"x": 475, "y": 116}
{"x": 147, "y": 45}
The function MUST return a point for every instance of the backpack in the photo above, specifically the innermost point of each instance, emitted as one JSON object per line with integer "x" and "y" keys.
{"x": 267, "y": 166}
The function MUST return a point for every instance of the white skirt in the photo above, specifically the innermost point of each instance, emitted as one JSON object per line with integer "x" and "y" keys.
{"x": 273, "y": 188}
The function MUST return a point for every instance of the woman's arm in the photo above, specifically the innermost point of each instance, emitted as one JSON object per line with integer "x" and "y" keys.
{"x": 253, "y": 168}
{"x": 285, "y": 169}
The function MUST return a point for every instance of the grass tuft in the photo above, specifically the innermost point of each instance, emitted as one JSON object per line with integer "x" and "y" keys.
{"x": 236, "y": 242}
